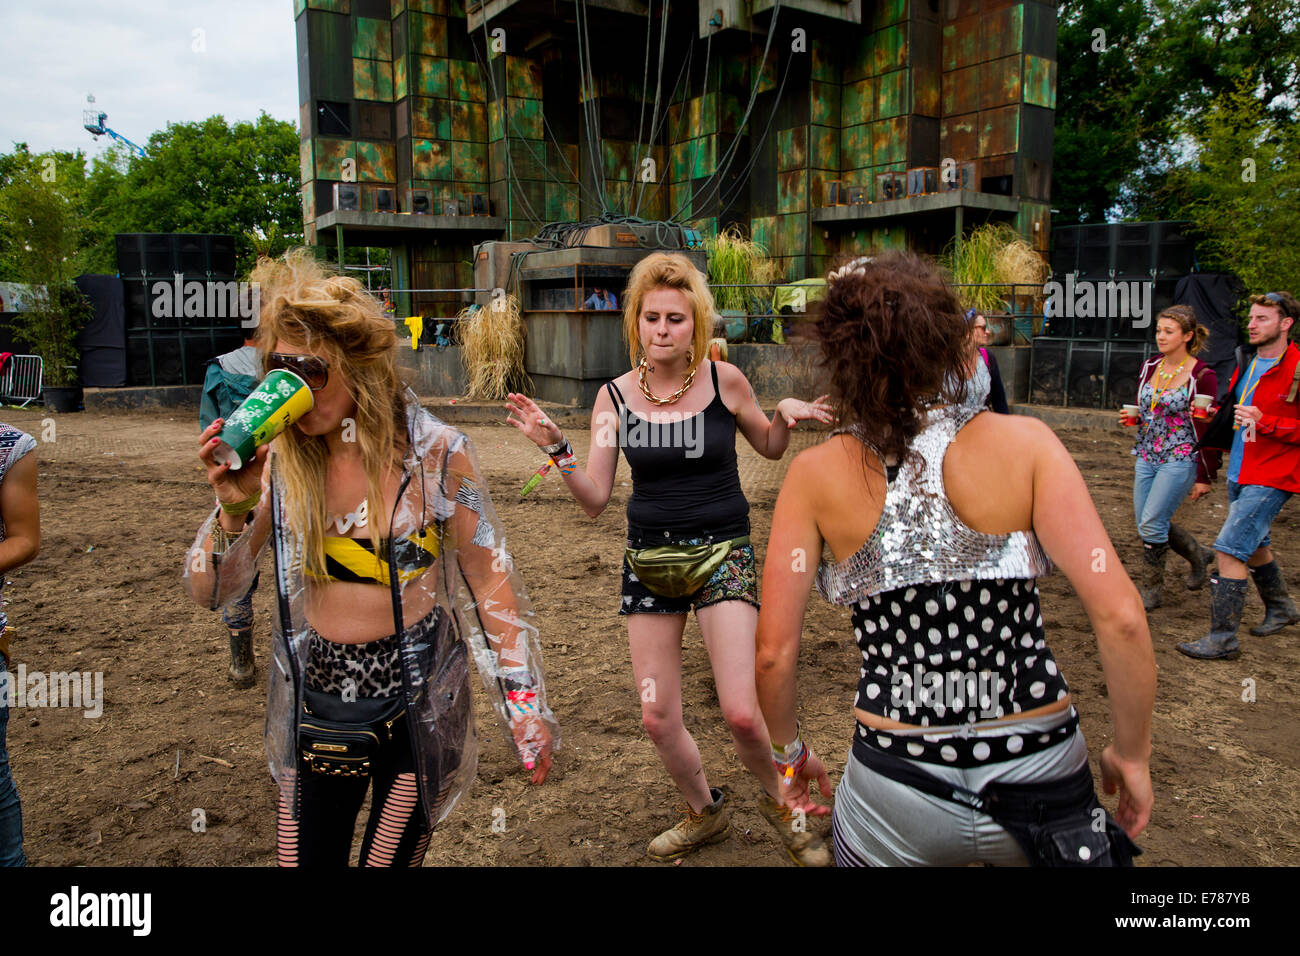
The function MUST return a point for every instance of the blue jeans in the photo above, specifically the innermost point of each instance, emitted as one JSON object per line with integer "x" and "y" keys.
{"x": 11, "y": 811}
{"x": 1158, "y": 490}
{"x": 1251, "y": 510}
{"x": 239, "y": 615}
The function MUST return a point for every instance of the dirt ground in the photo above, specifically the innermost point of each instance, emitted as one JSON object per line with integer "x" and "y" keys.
{"x": 122, "y": 496}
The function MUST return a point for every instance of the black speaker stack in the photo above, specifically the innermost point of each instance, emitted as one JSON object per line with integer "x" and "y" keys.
{"x": 1092, "y": 361}
{"x": 163, "y": 345}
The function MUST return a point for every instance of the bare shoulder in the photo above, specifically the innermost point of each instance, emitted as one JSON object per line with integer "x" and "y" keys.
{"x": 823, "y": 463}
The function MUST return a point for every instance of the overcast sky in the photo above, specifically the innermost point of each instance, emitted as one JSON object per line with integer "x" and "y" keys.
{"x": 145, "y": 64}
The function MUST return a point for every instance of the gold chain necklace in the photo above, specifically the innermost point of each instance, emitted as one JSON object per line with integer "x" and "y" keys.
{"x": 654, "y": 399}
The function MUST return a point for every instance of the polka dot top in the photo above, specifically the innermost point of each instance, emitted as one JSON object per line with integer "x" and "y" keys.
{"x": 956, "y": 652}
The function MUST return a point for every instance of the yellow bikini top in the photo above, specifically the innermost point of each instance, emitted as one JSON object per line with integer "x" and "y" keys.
{"x": 354, "y": 559}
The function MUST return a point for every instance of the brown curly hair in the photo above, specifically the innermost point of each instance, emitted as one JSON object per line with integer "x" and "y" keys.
{"x": 893, "y": 339}
{"x": 1184, "y": 316}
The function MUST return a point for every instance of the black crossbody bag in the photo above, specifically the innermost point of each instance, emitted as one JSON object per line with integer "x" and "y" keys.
{"x": 1054, "y": 822}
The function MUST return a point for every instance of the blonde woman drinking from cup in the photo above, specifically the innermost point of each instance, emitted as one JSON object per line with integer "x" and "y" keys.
{"x": 676, "y": 414}
{"x": 1170, "y": 387}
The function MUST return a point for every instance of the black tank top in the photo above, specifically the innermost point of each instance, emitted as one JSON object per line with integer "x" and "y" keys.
{"x": 684, "y": 477}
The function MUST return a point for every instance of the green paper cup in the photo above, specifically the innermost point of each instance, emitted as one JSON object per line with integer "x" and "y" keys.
{"x": 280, "y": 400}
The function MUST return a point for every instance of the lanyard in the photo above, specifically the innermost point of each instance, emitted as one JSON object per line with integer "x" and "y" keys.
{"x": 1248, "y": 387}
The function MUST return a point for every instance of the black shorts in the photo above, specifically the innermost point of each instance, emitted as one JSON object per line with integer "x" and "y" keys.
{"x": 735, "y": 580}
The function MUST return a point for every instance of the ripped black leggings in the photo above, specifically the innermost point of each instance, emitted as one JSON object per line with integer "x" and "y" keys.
{"x": 328, "y": 805}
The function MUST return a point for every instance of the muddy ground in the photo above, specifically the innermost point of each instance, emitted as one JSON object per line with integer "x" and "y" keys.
{"x": 122, "y": 496}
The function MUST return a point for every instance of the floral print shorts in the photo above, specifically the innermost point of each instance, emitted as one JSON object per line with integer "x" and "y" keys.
{"x": 735, "y": 580}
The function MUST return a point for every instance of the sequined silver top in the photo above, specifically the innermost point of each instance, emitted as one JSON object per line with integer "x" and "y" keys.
{"x": 919, "y": 538}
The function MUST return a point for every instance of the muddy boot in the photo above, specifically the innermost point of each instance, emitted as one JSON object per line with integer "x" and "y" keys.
{"x": 804, "y": 846}
{"x": 241, "y": 658}
{"x": 1279, "y": 609}
{"x": 1194, "y": 553}
{"x": 1227, "y": 598}
{"x": 1153, "y": 573}
{"x": 710, "y": 825}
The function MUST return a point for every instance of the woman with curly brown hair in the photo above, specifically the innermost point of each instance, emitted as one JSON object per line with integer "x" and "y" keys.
{"x": 675, "y": 415}
{"x": 939, "y": 519}
{"x": 388, "y": 559}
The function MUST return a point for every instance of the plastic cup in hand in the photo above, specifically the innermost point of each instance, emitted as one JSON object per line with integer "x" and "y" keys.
{"x": 1131, "y": 415}
{"x": 1201, "y": 406}
{"x": 280, "y": 400}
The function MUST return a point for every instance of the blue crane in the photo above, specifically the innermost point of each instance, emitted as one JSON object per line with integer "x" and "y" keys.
{"x": 94, "y": 123}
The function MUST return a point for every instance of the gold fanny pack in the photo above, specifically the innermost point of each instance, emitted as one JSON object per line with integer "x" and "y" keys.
{"x": 676, "y": 570}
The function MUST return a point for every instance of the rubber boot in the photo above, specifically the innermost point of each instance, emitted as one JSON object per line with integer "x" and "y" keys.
{"x": 1227, "y": 598}
{"x": 1279, "y": 609}
{"x": 1153, "y": 573}
{"x": 1194, "y": 553}
{"x": 241, "y": 658}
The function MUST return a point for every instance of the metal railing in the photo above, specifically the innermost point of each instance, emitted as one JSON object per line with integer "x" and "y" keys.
{"x": 22, "y": 379}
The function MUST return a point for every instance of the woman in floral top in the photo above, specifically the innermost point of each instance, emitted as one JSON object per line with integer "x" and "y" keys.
{"x": 1168, "y": 464}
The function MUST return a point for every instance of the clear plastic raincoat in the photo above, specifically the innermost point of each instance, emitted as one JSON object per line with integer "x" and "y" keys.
{"x": 477, "y": 599}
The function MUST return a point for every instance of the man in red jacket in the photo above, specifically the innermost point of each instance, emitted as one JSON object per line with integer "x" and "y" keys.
{"x": 1263, "y": 472}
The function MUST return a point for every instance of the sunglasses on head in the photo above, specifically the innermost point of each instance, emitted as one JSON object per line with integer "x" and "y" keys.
{"x": 311, "y": 369}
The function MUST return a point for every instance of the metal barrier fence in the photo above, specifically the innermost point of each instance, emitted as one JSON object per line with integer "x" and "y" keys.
{"x": 21, "y": 381}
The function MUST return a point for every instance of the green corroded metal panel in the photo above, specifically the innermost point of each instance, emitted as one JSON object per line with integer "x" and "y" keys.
{"x": 1040, "y": 81}
{"x": 619, "y": 163}
{"x": 999, "y": 131}
{"x": 856, "y": 146}
{"x": 763, "y": 231}
{"x": 527, "y": 159}
{"x": 825, "y": 64}
{"x": 456, "y": 8}
{"x": 961, "y": 91}
{"x": 733, "y": 74}
{"x": 395, "y": 7}
{"x": 859, "y": 56}
{"x": 857, "y": 102}
{"x": 961, "y": 43}
{"x": 372, "y": 80}
{"x": 309, "y": 201}
{"x": 430, "y": 76}
{"x": 708, "y": 227}
{"x": 496, "y": 126}
{"x": 334, "y": 6}
{"x": 679, "y": 159}
{"x": 679, "y": 197}
{"x": 298, "y": 7}
{"x": 792, "y": 148}
{"x": 331, "y": 157}
{"x": 525, "y": 117}
{"x": 466, "y": 84}
{"x": 885, "y": 12}
{"x": 766, "y": 79}
{"x": 376, "y": 162}
{"x": 890, "y": 51}
{"x": 825, "y": 104}
{"x": 999, "y": 82}
{"x": 703, "y": 156}
{"x": 430, "y": 118}
{"x": 523, "y": 77}
{"x": 819, "y": 244}
{"x": 792, "y": 191}
{"x": 469, "y": 161}
{"x": 430, "y": 159}
{"x": 731, "y": 111}
{"x": 306, "y": 169}
{"x": 791, "y": 235}
{"x": 959, "y": 136}
{"x": 889, "y": 141}
{"x": 401, "y": 88}
{"x": 372, "y": 39}
{"x": 824, "y": 147}
{"x": 925, "y": 92}
{"x": 1002, "y": 32}
{"x": 468, "y": 122}
{"x": 892, "y": 94}
{"x": 428, "y": 34}
{"x": 428, "y": 6}
{"x": 1031, "y": 214}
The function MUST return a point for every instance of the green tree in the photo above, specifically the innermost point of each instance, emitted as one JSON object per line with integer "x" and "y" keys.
{"x": 1243, "y": 189}
{"x": 42, "y": 247}
{"x": 209, "y": 176}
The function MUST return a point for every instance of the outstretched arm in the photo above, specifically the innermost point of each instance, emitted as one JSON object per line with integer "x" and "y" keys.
{"x": 793, "y": 552}
{"x": 769, "y": 438}
{"x": 593, "y": 485}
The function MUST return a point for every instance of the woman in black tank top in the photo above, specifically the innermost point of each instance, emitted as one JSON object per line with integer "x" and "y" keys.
{"x": 675, "y": 416}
